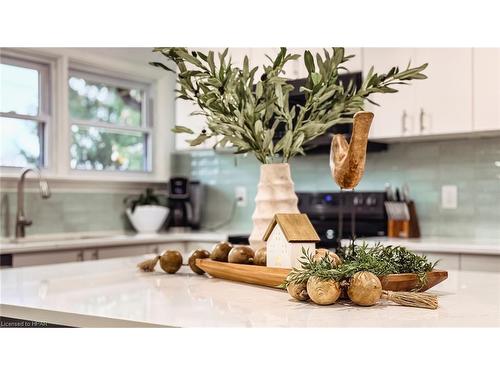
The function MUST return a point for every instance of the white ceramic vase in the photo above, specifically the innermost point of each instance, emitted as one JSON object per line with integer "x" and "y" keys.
{"x": 147, "y": 219}
{"x": 275, "y": 194}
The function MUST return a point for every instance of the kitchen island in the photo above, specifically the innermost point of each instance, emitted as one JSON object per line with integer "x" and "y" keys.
{"x": 113, "y": 293}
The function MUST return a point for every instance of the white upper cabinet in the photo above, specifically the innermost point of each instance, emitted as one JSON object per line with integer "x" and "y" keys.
{"x": 486, "y": 78}
{"x": 444, "y": 99}
{"x": 395, "y": 116}
{"x": 439, "y": 105}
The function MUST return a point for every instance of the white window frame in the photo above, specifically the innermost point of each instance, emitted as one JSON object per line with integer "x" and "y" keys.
{"x": 58, "y": 135}
{"x": 44, "y": 117}
{"x": 146, "y": 127}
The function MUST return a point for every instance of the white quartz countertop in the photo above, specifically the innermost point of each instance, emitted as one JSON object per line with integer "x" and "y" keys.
{"x": 439, "y": 244}
{"x": 113, "y": 292}
{"x": 89, "y": 240}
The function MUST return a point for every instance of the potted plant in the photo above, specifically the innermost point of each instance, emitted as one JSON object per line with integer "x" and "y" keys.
{"x": 245, "y": 111}
{"x": 145, "y": 211}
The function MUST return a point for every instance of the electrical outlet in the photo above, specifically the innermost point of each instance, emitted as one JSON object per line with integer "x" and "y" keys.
{"x": 240, "y": 193}
{"x": 449, "y": 197}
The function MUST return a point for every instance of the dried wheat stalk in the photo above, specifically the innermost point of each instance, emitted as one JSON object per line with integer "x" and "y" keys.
{"x": 412, "y": 299}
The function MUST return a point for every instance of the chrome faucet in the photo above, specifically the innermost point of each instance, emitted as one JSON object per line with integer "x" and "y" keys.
{"x": 21, "y": 220}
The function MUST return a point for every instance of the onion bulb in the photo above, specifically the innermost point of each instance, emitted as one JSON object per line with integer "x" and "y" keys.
{"x": 364, "y": 289}
{"x": 323, "y": 292}
{"x": 334, "y": 258}
{"x": 298, "y": 291}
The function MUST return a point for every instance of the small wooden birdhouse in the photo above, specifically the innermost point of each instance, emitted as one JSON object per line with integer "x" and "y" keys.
{"x": 286, "y": 236}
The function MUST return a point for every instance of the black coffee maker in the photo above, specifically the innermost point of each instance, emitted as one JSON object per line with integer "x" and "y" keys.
{"x": 184, "y": 202}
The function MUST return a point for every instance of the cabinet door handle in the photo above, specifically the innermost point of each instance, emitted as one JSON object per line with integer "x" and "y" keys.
{"x": 421, "y": 119}
{"x": 79, "y": 257}
{"x": 403, "y": 122}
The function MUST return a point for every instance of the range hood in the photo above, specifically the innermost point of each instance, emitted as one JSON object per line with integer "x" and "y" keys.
{"x": 321, "y": 144}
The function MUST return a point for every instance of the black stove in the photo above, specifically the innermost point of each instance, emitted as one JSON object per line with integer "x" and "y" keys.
{"x": 346, "y": 214}
{"x": 340, "y": 215}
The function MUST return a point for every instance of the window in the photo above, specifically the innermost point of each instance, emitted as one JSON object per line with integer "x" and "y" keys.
{"x": 110, "y": 124}
{"x": 24, "y": 112}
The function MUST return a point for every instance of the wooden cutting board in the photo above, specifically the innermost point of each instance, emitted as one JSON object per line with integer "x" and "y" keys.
{"x": 272, "y": 277}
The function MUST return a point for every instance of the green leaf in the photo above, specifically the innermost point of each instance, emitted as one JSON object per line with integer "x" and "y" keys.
{"x": 198, "y": 140}
{"x": 211, "y": 62}
{"x": 268, "y": 138}
{"x": 245, "y": 66}
{"x": 309, "y": 61}
{"x": 279, "y": 92}
{"x": 182, "y": 129}
{"x": 258, "y": 127}
{"x": 259, "y": 90}
{"x": 160, "y": 65}
{"x": 191, "y": 59}
{"x": 316, "y": 78}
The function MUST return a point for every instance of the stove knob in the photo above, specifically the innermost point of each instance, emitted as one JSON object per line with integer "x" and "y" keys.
{"x": 371, "y": 201}
{"x": 330, "y": 234}
{"x": 357, "y": 200}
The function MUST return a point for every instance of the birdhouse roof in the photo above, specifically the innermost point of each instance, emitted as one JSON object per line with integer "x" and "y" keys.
{"x": 296, "y": 227}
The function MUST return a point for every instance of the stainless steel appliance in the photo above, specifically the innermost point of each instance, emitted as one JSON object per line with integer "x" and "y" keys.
{"x": 184, "y": 201}
{"x": 347, "y": 214}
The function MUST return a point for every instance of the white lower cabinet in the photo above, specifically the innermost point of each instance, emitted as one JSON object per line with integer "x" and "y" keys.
{"x": 70, "y": 255}
{"x": 446, "y": 262}
{"x": 465, "y": 262}
{"x": 122, "y": 251}
{"x": 179, "y": 246}
{"x": 50, "y": 257}
{"x": 484, "y": 263}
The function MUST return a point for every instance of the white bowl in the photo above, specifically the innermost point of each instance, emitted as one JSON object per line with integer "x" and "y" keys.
{"x": 147, "y": 219}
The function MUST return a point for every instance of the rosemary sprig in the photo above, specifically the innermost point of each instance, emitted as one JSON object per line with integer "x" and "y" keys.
{"x": 380, "y": 260}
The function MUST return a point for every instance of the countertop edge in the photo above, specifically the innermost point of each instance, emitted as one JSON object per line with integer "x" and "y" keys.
{"x": 70, "y": 319}
{"x": 433, "y": 246}
{"x": 119, "y": 240}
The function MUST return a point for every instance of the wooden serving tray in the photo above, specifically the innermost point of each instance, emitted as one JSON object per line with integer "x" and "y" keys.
{"x": 272, "y": 277}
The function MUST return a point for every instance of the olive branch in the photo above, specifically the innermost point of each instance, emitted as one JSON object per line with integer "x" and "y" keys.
{"x": 244, "y": 111}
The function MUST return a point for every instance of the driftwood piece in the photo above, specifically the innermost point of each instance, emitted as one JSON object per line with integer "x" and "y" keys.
{"x": 347, "y": 160}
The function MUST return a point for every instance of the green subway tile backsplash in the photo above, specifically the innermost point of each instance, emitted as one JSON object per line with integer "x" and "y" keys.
{"x": 67, "y": 212}
{"x": 472, "y": 164}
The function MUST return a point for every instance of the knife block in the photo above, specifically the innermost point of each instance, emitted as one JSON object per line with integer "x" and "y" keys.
{"x": 405, "y": 228}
